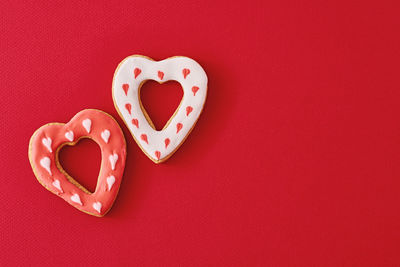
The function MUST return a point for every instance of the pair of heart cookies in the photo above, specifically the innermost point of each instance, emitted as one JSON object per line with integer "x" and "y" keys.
{"x": 99, "y": 126}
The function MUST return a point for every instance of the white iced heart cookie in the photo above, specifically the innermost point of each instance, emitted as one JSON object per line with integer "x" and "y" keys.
{"x": 129, "y": 76}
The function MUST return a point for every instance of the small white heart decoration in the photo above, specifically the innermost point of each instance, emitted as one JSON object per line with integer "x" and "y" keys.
{"x": 69, "y": 135}
{"x": 47, "y": 143}
{"x": 75, "y": 198}
{"x": 97, "y": 206}
{"x": 45, "y": 163}
{"x": 113, "y": 160}
{"x": 105, "y": 135}
{"x": 110, "y": 181}
{"x": 131, "y": 73}
{"x": 87, "y": 124}
{"x": 57, "y": 185}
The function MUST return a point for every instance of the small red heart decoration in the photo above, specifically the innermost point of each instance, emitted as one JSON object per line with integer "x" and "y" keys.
{"x": 135, "y": 122}
{"x": 136, "y": 72}
{"x": 194, "y": 90}
{"x": 160, "y": 75}
{"x": 167, "y": 141}
{"x": 128, "y": 107}
{"x": 125, "y": 87}
{"x": 144, "y": 138}
{"x": 185, "y": 73}
{"x": 179, "y": 127}
{"x": 188, "y": 110}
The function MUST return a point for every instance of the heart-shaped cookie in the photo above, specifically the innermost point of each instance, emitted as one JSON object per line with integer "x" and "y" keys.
{"x": 129, "y": 76}
{"x": 47, "y": 141}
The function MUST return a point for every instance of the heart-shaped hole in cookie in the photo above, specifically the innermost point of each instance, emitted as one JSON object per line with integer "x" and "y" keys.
{"x": 82, "y": 162}
{"x": 159, "y": 101}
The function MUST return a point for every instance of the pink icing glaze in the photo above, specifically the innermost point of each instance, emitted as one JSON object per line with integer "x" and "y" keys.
{"x": 100, "y": 121}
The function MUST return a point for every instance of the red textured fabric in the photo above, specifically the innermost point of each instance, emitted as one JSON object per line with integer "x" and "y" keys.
{"x": 294, "y": 161}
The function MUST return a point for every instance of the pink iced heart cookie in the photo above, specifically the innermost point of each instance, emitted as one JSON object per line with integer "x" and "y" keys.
{"x": 46, "y": 142}
{"x": 131, "y": 73}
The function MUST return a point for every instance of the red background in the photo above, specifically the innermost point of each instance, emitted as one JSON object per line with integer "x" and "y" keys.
{"x": 295, "y": 160}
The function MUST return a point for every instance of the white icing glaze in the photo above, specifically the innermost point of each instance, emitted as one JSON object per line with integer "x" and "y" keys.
{"x": 126, "y": 91}
{"x": 105, "y": 135}
{"x": 47, "y": 143}
{"x": 75, "y": 198}
{"x": 97, "y": 206}
{"x": 57, "y": 185}
{"x": 110, "y": 181}
{"x": 45, "y": 163}
{"x": 87, "y": 124}
{"x": 69, "y": 135}
{"x": 113, "y": 160}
